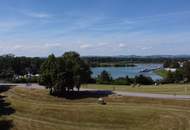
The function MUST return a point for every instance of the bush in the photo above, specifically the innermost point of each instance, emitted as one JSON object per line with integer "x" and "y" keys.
{"x": 174, "y": 77}
{"x": 122, "y": 81}
{"x": 104, "y": 78}
{"x": 143, "y": 80}
{"x": 171, "y": 64}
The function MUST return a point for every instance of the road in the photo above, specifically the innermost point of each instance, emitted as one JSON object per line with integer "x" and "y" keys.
{"x": 148, "y": 95}
{"x": 120, "y": 93}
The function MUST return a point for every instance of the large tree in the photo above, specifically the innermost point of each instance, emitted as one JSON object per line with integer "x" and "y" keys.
{"x": 63, "y": 74}
{"x": 49, "y": 70}
{"x": 186, "y": 70}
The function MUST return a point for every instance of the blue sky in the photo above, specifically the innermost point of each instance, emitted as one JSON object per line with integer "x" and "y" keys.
{"x": 95, "y": 27}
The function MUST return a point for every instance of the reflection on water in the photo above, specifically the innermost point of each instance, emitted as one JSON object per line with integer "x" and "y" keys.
{"x": 130, "y": 71}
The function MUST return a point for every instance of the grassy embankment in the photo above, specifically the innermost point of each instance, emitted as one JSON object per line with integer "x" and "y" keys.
{"x": 34, "y": 109}
{"x": 161, "y": 72}
{"x": 176, "y": 89}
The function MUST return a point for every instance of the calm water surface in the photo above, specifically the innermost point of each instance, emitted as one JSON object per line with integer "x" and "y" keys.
{"x": 130, "y": 71}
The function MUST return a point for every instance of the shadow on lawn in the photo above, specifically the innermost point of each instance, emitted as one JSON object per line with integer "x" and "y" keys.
{"x": 5, "y": 109}
{"x": 87, "y": 94}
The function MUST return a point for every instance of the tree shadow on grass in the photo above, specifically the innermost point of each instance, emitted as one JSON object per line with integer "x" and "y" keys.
{"x": 5, "y": 109}
{"x": 87, "y": 94}
{"x": 6, "y": 124}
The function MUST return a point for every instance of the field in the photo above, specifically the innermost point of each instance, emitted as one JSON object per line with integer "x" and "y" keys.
{"x": 174, "y": 89}
{"x": 34, "y": 109}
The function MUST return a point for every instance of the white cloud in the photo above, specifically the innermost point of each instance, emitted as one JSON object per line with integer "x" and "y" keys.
{"x": 48, "y": 45}
{"x": 121, "y": 45}
{"x": 85, "y": 46}
{"x": 36, "y": 14}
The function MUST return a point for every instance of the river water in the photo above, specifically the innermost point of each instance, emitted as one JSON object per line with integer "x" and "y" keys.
{"x": 130, "y": 71}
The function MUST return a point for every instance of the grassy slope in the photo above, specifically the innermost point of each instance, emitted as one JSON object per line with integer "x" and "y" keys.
{"x": 179, "y": 89}
{"x": 161, "y": 72}
{"x": 36, "y": 110}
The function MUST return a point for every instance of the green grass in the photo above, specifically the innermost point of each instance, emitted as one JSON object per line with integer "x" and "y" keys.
{"x": 176, "y": 89}
{"x": 161, "y": 72}
{"x": 36, "y": 110}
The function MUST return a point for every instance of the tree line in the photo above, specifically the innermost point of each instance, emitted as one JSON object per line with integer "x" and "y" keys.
{"x": 11, "y": 65}
{"x": 96, "y": 61}
{"x": 105, "y": 78}
{"x": 181, "y": 75}
{"x": 67, "y": 72}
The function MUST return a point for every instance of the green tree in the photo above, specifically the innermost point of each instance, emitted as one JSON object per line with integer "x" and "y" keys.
{"x": 186, "y": 70}
{"x": 104, "y": 78}
{"x": 63, "y": 74}
{"x": 141, "y": 79}
{"x": 49, "y": 71}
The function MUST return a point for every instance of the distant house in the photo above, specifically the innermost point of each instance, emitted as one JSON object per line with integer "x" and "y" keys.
{"x": 171, "y": 69}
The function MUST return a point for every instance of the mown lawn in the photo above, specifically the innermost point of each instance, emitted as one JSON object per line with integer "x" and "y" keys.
{"x": 174, "y": 89}
{"x": 34, "y": 109}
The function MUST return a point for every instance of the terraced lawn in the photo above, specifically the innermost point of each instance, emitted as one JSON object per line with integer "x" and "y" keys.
{"x": 34, "y": 109}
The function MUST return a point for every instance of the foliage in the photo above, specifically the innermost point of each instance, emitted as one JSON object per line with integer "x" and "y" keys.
{"x": 141, "y": 79}
{"x": 174, "y": 77}
{"x": 161, "y": 72}
{"x": 11, "y": 65}
{"x": 62, "y": 74}
{"x": 104, "y": 78}
{"x": 186, "y": 70}
{"x": 171, "y": 64}
{"x": 122, "y": 81}
{"x": 96, "y": 61}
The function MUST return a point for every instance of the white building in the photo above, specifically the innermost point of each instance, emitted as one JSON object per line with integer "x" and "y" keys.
{"x": 171, "y": 69}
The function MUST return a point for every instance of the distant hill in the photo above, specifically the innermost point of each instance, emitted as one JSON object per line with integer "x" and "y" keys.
{"x": 124, "y": 59}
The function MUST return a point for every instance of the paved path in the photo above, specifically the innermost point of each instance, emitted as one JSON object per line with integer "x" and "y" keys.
{"x": 124, "y": 93}
{"x": 30, "y": 85}
{"x": 148, "y": 95}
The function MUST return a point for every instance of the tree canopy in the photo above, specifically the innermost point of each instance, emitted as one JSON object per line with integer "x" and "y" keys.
{"x": 104, "y": 78}
{"x": 63, "y": 74}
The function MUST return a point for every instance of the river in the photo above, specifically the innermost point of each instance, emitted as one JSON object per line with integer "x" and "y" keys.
{"x": 130, "y": 71}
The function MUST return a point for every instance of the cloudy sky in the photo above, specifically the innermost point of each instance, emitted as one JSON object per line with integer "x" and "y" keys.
{"x": 94, "y": 27}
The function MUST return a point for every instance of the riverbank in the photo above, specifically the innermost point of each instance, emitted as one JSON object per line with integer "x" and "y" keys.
{"x": 161, "y": 72}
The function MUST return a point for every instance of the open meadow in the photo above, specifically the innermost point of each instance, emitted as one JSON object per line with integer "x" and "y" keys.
{"x": 173, "y": 89}
{"x": 34, "y": 109}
